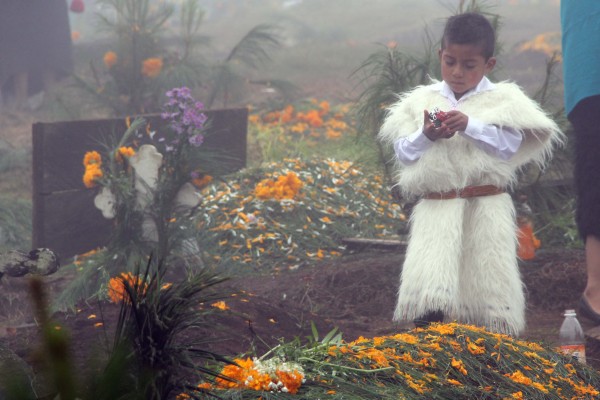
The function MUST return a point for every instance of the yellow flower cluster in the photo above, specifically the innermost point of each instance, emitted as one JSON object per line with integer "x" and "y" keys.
{"x": 285, "y": 187}
{"x": 272, "y": 375}
{"x": 92, "y": 161}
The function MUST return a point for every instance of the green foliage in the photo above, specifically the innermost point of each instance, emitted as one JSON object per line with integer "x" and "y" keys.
{"x": 252, "y": 51}
{"x": 15, "y": 223}
{"x": 153, "y": 355}
{"x": 391, "y": 72}
{"x": 556, "y": 227}
{"x": 12, "y": 158}
{"x": 153, "y": 318}
{"x": 137, "y": 25}
{"x": 146, "y": 58}
{"x": 385, "y": 74}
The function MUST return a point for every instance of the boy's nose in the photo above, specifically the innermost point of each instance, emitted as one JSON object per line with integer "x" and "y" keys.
{"x": 457, "y": 71}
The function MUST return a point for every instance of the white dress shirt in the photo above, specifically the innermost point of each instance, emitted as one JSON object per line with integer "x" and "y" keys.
{"x": 499, "y": 142}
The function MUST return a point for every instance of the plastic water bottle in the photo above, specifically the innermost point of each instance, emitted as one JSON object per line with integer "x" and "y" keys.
{"x": 571, "y": 337}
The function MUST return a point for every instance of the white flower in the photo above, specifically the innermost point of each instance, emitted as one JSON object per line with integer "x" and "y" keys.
{"x": 105, "y": 201}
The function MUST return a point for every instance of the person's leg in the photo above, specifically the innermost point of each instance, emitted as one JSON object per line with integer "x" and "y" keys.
{"x": 592, "y": 288}
{"x": 491, "y": 290}
{"x": 430, "y": 317}
{"x": 585, "y": 119}
{"x": 429, "y": 277}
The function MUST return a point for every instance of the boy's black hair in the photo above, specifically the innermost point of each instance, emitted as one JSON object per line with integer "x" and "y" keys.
{"x": 470, "y": 28}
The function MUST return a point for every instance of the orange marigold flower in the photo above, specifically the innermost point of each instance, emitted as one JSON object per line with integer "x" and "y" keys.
{"x": 291, "y": 380}
{"x": 151, "y": 67}
{"x": 237, "y": 373}
{"x": 459, "y": 366}
{"x": 442, "y": 329}
{"x": 202, "y": 182}
{"x": 286, "y": 187}
{"x": 205, "y": 385}
{"x": 93, "y": 172}
{"x": 333, "y": 134}
{"x": 324, "y": 107}
{"x": 474, "y": 348}
{"x": 287, "y": 114}
{"x": 92, "y": 157}
{"x": 312, "y": 117}
{"x": 110, "y": 59}
{"x": 253, "y": 119}
{"x": 124, "y": 152}
{"x": 116, "y": 286}
{"x": 221, "y": 305}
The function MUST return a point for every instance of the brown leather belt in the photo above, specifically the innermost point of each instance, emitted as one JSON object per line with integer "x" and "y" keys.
{"x": 468, "y": 191}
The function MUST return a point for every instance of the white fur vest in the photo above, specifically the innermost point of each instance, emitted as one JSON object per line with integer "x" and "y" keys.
{"x": 455, "y": 163}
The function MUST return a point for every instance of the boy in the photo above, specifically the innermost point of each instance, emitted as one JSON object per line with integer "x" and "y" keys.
{"x": 461, "y": 260}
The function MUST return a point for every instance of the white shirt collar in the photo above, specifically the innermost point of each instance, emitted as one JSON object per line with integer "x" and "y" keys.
{"x": 446, "y": 91}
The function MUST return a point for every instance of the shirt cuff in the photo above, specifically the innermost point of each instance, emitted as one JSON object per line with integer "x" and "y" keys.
{"x": 419, "y": 140}
{"x": 474, "y": 127}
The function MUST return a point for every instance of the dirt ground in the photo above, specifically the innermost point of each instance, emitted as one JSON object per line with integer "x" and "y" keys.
{"x": 355, "y": 294}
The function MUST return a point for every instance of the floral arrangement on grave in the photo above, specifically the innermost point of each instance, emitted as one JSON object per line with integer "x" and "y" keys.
{"x": 147, "y": 185}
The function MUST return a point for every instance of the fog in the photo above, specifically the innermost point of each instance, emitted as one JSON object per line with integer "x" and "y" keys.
{"x": 328, "y": 39}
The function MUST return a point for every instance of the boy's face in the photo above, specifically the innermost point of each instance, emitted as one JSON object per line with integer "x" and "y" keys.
{"x": 463, "y": 66}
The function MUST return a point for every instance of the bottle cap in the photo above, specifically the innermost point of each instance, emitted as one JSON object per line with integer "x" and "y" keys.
{"x": 570, "y": 312}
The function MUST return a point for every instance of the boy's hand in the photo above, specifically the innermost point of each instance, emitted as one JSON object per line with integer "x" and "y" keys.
{"x": 434, "y": 133}
{"x": 455, "y": 121}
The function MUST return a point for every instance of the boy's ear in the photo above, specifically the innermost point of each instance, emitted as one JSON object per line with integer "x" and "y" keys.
{"x": 490, "y": 64}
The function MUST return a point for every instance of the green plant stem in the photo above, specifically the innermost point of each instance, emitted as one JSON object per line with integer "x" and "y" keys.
{"x": 369, "y": 371}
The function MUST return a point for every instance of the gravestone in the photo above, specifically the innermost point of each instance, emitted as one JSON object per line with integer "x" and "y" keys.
{"x": 64, "y": 216}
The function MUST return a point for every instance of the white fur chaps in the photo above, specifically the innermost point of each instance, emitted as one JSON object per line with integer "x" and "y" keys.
{"x": 461, "y": 259}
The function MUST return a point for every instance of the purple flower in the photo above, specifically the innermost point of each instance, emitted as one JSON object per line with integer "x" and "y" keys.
{"x": 197, "y": 140}
{"x": 185, "y": 115}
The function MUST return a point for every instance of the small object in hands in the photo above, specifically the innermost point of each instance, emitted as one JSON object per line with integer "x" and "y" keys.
{"x": 77, "y": 6}
{"x": 437, "y": 117}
